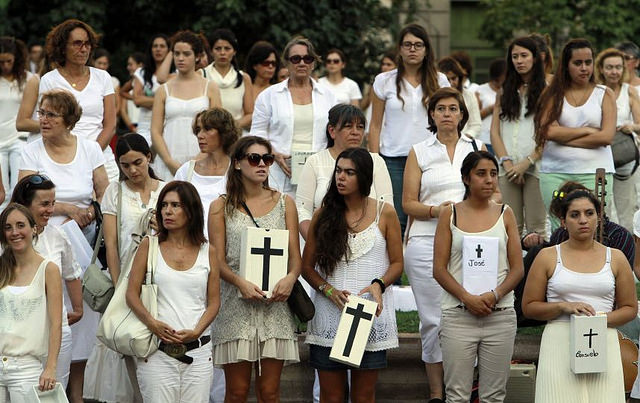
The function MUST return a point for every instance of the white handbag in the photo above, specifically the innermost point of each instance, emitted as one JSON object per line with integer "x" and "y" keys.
{"x": 120, "y": 329}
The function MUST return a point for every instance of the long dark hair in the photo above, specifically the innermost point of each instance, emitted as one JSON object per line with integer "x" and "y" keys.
{"x": 258, "y": 53}
{"x": 332, "y": 230}
{"x": 235, "y": 188}
{"x": 510, "y": 99}
{"x": 19, "y": 51}
{"x": 554, "y": 94}
{"x": 227, "y": 35}
{"x": 25, "y": 190}
{"x": 341, "y": 114}
{"x": 579, "y": 194}
{"x": 449, "y": 64}
{"x": 428, "y": 71}
{"x": 8, "y": 259}
{"x": 471, "y": 161}
{"x": 192, "y": 206}
{"x": 132, "y": 142}
{"x": 149, "y": 68}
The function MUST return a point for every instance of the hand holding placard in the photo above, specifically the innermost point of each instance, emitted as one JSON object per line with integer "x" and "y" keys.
{"x": 353, "y": 331}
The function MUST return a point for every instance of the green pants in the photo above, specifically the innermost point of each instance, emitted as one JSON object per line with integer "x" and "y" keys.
{"x": 552, "y": 181}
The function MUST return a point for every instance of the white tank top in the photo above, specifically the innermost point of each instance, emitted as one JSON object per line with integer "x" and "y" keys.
{"x": 182, "y": 294}
{"x": 596, "y": 289}
{"x": 623, "y": 105}
{"x": 302, "y": 127}
{"x": 558, "y": 158}
{"x": 24, "y": 320}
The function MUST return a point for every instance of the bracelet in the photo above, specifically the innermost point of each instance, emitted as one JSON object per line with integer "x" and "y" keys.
{"x": 430, "y": 208}
{"x": 329, "y": 292}
{"x": 495, "y": 294}
{"x": 531, "y": 160}
{"x": 380, "y": 283}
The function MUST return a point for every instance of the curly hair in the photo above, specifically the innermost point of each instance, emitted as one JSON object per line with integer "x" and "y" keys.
{"x": 19, "y": 51}
{"x": 58, "y": 37}
{"x": 221, "y": 120}
{"x": 191, "y": 38}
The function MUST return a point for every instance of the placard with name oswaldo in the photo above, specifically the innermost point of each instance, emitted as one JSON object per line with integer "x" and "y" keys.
{"x": 353, "y": 331}
{"x": 298, "y": 159}
{"x": 480, "y": 263}
{"x": 588, "y": 343}
{"x": 264, "y": 257}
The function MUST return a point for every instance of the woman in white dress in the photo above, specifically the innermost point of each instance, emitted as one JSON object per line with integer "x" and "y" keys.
{"x": 30, "y": 310}
{"x": 69, "y": 48}
{"x": 583, "y": 277}
{"x": 176, "y": 104}
{"x": 235, "y": 86}
{"x": 38, "y": 194}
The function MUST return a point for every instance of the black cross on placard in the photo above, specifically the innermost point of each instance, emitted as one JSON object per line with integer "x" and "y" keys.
{"x": 590, "y": 335}
{"x": 266, "y": 253}
{"x": 479, "y": 250}
{"x": 358, "y": 314}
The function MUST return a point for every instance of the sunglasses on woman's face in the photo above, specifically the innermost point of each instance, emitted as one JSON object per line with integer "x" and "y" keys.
{"x": 332, "y": 61}
{"x": 267, "y": 63}
{"x": 307, "y": 59}
{"x": 254, "y": 159}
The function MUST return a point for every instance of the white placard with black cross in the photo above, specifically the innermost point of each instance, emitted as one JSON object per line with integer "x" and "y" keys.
{"x": 480, "y": 263}
{"x": 298, "y": 159}
{"x": 264, "y": 257}
{"x": 588, "y": 343}
{"x": 353, "y": 331}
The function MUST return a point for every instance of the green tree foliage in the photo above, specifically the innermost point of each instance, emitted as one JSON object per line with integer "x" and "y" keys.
{"x": 357, "y": 27}
{"x": 603, "y": 23}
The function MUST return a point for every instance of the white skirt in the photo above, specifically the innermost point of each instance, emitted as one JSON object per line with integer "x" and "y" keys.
{"x": 106, "y": 378}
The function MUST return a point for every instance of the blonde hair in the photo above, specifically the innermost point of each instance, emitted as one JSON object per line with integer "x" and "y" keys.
{"x": 599, "y": 65}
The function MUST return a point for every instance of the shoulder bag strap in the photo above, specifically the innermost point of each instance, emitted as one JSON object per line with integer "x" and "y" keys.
{"x": 96, "y": 247}
{"x": 152, "y": 259}
{"x": 474, "y": 145}
{"x": 119, "y": 215}
{"x": 246, "y": 208}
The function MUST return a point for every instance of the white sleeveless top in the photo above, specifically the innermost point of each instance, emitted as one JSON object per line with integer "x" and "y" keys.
{"x": 302, "y": 127}
{"x": 499, "y": 231}
{"x": 368, "y": 259}
{"x": 441, "y": 180}
{"x": 24, "y": 320}
{"x": 623, "y": 105}
{"x": 558, "y": 158}
{"x": 596, "y": 289}
{"x": 182, "y": 295}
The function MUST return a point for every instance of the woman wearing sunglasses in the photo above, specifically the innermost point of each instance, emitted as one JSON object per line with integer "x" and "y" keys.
{"x": 345, "y": 89}
{"x": 252, "y": 331}
{"x": 235, "y": 85}
{"x": 292, "y": 114}
{"x": 400, "y": 101}
{"x": 38, "y": 194}
{"x": 262, "y": 64}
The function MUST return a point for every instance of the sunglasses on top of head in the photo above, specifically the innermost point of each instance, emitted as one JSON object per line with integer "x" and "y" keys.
{"x": 308, "y": 59}
{"x": 254, "y": 159}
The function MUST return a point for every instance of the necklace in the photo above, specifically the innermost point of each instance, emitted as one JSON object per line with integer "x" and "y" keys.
{"x": 583, "y": 97}
{"x": 67, "y": 76}
{"x": 357, "y": 222}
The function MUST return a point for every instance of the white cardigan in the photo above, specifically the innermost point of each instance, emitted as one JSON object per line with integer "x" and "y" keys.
{"x": 273, "y": 116}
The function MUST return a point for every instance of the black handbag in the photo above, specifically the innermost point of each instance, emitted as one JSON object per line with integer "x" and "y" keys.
{"x": 624, "y": 150}
{"x": 299, "y": 301}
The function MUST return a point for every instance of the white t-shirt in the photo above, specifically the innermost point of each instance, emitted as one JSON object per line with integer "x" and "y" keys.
{"x": 405, "y": 125}
{"x": 10, "y": 98}
{"x": 144, "y": 118}
{"x": 74, "y": 181}
{"x": 209, "y": 188}
{"x": 345, "y": 92}
{"x": 91, "y": 99}
{"x": 487, "y": 97}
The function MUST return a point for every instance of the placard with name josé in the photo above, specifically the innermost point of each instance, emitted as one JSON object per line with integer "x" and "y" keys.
{"x": 298, "y": 158}
{"x": 353, "y": 331}
{"x": 479, "y": 263}
{"x": 588, "y": 343}
{"x": 264, "y": 256}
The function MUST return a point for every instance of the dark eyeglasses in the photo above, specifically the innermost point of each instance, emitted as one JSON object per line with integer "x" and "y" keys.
{"x": 254, "y": 159}
{"x": 38, "y": 179}
{"x": 332, "y": 61}
{"x": 267, "y": 63}
{"x": 308, "y": 59}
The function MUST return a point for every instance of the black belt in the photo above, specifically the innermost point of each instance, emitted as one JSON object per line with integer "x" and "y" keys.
{"x": 178, "y": 350}
{"x": 464, "y": 308}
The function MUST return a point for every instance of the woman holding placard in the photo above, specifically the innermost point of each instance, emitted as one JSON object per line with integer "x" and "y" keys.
{"x": 478, "y": 262}
{"x": 355, "y": 242}
{"x": 253, "y": 329}
{"x": 583, "y": 277}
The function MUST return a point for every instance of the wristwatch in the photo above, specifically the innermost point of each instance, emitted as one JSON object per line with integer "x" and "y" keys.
{"x": 503, "y": 159}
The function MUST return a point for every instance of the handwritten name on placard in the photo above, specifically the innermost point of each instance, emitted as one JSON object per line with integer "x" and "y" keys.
{"x": 480, "y": 263}
{"x": 298, "y": 159}
{"x": 588, "y": 343}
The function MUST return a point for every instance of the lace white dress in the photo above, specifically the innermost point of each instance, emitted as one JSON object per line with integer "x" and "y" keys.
{"x": 368, "y": 259}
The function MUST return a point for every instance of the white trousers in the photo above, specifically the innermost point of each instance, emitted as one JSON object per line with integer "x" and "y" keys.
{"x": 418, "y": 264}
{"x": 64, "y": 357}
{"x": 18, "y": 375}
{"x": 218, "y": 386}
{"x": 164, "y": 379}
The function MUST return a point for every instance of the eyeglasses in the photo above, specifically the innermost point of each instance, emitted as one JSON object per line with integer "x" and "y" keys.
{"x": 332, "y": 61}
{"x": 416, "y": 45}
{"x": 42, "y": 114}
{"x": 38, "y": 179}
{"x": 254, "y": 159}
{"x": 267, "y": 63}
{"x": 629, "y": 57}
{"x": 80, "y": 44}
{"x": 308, "y": 59}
